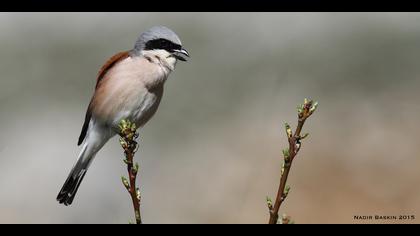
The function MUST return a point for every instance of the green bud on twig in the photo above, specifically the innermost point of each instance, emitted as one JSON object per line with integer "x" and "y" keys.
{"x": 123, "y": 125}
{"x": 288, "y": 130}
{"x": 138, "y": 194}
{"x": 300, "y": 109}
{"x": 286, "y": 190}
{"x": 282, "y": 169}
{"x": 304, "y": 136}
{"x": 136, "y": 168}
{"x": 125, "y": 182}
{"x": 313, "y": 107}
{"x": 307, "y": 108}
{"x": 269, "y": 202}
{"x": 122, "y": 142}
{"x": 286, "y": 155}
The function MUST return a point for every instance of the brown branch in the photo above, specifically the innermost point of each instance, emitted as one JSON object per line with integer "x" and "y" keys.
{"x": 304, "y": 111}
{"x": 128, "y": 142}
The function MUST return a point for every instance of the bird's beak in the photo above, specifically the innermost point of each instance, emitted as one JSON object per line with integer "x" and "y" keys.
{"x": 181, "y": 54}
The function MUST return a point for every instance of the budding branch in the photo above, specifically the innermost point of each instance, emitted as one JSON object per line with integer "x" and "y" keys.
{"x": 128, "y": 143}
{"x": 294, "y": 139}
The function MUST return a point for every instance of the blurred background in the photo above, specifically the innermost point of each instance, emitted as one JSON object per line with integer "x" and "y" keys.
{"x": 212, "y": 153}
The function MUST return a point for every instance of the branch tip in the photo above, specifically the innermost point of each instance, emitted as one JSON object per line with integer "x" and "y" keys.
{"x": 304, "y": 136}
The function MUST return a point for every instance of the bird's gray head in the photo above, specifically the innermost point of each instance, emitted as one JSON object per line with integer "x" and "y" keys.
{"x": 161, "y": 38}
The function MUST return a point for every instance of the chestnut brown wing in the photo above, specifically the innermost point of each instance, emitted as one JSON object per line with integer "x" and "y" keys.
{"x": 105, "y": 68}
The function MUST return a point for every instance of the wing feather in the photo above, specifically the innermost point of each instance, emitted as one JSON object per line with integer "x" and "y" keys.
{"x": 102, "y": 72}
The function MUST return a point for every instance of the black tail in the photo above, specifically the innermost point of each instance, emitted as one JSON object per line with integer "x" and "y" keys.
{"x": 70, "y": 187}
{"x": 86, "y": 156}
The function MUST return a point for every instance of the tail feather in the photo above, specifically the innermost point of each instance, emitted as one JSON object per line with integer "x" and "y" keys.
{"x": 73, "y": 181}
{"x": 70, "y": 187}
{"x": 96, "y": 137}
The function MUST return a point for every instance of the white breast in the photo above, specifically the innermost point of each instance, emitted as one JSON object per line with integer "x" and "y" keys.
{"x": 131, "y": 90}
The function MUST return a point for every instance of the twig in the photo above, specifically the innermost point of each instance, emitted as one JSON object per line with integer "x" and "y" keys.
{"x": 304, "y": 111}
{"x": 128, "y": 142}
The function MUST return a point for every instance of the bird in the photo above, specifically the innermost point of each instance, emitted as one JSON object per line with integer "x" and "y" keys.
{"x": 129, "y": 86}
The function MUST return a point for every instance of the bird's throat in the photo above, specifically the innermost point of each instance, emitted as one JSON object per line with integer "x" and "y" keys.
{"x": 162, "y": 58}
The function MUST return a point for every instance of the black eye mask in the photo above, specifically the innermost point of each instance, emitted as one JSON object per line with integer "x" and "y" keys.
{"x": 162, "y": 44}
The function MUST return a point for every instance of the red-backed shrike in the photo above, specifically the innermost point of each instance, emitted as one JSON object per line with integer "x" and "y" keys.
{"x": 129, "y": 86}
